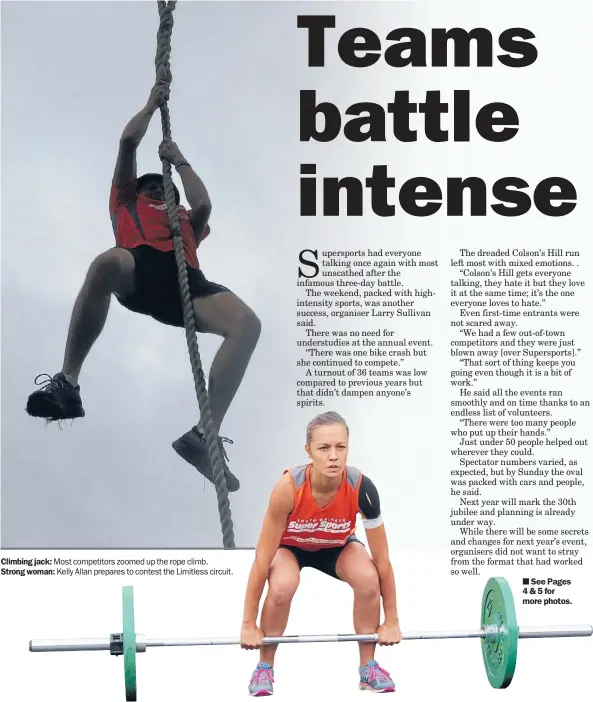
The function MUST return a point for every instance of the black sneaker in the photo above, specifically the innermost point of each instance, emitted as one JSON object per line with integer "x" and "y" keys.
{"x": 56, "y": 400}
{"x": 192, "y": 448}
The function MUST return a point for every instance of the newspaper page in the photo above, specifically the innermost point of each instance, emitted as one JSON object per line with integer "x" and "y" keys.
{"x": 296, "y": 349}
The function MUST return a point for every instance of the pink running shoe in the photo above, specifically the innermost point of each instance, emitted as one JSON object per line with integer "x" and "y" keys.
{"x": 261, "y": 683}
{"x": 375, "y": 679}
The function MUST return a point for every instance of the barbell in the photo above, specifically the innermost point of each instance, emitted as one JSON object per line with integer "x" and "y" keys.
{"x": 498, "y": 632}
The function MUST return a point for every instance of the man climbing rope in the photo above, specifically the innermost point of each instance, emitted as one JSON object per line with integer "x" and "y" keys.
{"x": 311, "y": 522}
{"x": 141, "y": 272}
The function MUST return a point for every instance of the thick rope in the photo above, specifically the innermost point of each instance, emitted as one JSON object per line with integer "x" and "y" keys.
{"x": 163, "y": 71}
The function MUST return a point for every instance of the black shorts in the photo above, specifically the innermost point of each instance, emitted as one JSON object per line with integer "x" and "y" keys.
{"x": 324, "y": 560}
{"x": 156, "y": 291}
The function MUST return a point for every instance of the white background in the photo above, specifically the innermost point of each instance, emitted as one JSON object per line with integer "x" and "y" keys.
{"x": 33, "y": 608}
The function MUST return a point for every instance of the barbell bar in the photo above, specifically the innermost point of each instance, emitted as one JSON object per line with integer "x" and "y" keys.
{"x": 499, "y": 635}
{"x": 142, "y": 643}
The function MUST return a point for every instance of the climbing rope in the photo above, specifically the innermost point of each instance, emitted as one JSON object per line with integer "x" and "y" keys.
{"x": 163, "y": 72}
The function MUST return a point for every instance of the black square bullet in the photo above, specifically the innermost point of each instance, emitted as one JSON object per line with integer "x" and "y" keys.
{"x": 525, "y": 581}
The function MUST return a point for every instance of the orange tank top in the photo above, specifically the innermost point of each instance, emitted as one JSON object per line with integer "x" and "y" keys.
{"x": 311, "y": 528}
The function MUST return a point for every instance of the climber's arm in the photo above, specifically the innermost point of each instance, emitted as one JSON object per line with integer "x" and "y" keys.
{"x": 125, "y": 168}
{"x": 193, "y": 186}
{"x": 197, "y": 196}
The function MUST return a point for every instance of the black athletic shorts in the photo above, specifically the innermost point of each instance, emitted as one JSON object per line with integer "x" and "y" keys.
{"x": 156, "y": 291}
{"x": 325, "y": 559}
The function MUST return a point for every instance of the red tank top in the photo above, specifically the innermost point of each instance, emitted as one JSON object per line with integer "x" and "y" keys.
{"x": 311, "y": 528}
{"x": 154, "y": 221}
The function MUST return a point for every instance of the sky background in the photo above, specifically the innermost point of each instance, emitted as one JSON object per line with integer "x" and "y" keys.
{"x": 73, "y": 73}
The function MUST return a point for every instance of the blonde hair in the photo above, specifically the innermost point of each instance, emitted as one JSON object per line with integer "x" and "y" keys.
{"x": 322, "y": 420}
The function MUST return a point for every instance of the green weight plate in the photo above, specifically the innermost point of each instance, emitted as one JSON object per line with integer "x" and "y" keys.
{"x": 500, "y": 650}
{"x": 129, "y": 632}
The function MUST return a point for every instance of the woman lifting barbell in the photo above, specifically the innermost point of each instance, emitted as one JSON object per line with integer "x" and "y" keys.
{"x": 311, "y": 522}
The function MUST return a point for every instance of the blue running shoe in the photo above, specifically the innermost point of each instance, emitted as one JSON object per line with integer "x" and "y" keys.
{"x": 261, "y": 683}
{"x": 375, "y": 679}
